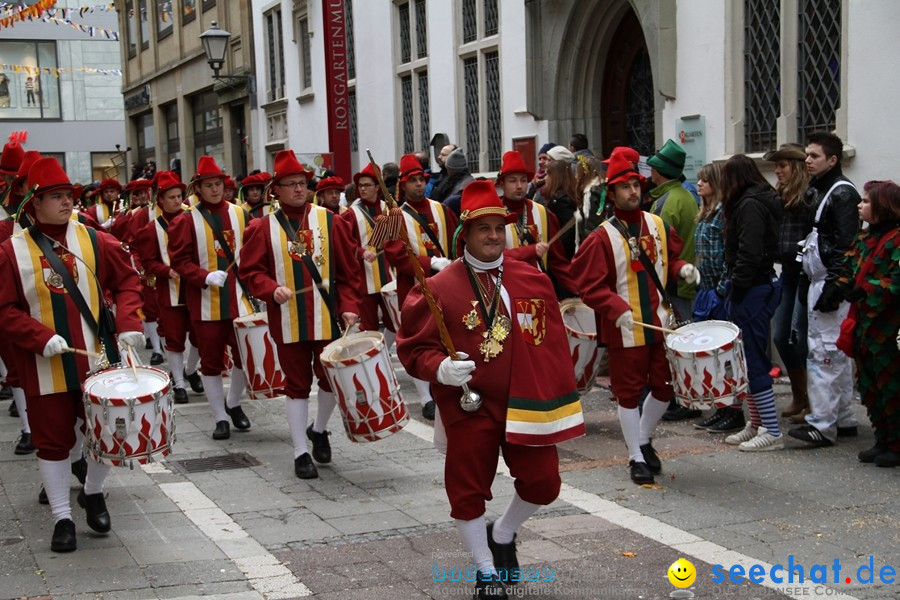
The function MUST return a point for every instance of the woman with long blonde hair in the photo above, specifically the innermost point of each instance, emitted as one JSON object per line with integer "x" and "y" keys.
{"x": 789, "y": 329}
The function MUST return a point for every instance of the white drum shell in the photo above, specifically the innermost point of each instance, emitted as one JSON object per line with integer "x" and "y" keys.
{"x": 259, "y": 355}
{"x": 581, "y": 331}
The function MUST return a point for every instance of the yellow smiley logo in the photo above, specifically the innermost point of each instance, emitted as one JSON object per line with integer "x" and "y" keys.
{"x": 682, "y": 573}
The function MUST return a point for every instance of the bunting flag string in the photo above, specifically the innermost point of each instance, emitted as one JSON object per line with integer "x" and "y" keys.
{"x": 60, "y": 70}
{"x": 19, "y": 13}
{"x": 89, "y": 29}
{"x": 10, "y": 7}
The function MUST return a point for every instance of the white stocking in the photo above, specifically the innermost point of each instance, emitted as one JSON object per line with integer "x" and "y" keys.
{"x": 297, "y": 410}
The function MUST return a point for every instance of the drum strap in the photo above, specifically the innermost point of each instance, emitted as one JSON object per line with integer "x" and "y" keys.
{"x": 106, "y": 328}
{"x": 426, "y": 227}
{"x": 311, "y": 268}
{"x": 229, "y": 255}
{"x": 649, "y": 268}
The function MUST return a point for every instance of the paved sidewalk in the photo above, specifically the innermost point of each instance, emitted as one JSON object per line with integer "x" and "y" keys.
{"x": 376, "y": 523}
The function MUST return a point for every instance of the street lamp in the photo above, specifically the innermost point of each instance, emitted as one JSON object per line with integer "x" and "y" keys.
{"x": 215, "y": 44}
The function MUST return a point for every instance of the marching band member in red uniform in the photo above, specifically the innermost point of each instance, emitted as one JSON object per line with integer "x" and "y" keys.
{"x": 295, "y": 248}
{"x": 429, "y": 226}
{"x": 37, "y": 311}
{"x": 104, "y": 211}
{"x": 152, "y": 245}
{"x": 527, "y": 238}
{"x": 373, "y": 266}
{"x": 505, "y": 322}
{"x": 253, "y": 193}
{"x": 213, "y": 293}
{"x": 328, "y": 194}
{"x": 614, "y": 283}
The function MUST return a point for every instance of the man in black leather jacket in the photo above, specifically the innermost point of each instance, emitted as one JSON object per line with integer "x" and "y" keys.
{"x": 830, "y": 370}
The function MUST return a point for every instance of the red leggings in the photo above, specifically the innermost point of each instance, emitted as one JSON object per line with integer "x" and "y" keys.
{"x": 52, "y": 420}
{"x": 300, "y": 361}
{"x": 633, "y": 369}
{"x": 212, "y": 337}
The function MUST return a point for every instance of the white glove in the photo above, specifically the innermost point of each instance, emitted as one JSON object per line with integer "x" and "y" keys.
{"x": 439, "y": 262}
{"x": 455, "y": 372}
{"x": 107, "y": 223}
{"x": 690, "y": 274}
{"x": 625, "y": 320}
{"x": 55, "y": 346}
{"x": 217, "y": 278}
{"x": 135, "y": 339}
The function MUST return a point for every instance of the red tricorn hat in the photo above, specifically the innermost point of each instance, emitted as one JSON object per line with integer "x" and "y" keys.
{"x": 330, "y": 183}
{"x": 166, "y": 180}
{"x": 367, "y": 171}
{"x": 286, "y": 164}
{"x": 208, "y": 169}
{"x": 11, "y": 158}
{"x": 513, "y": 163}
{"x": 48, "y": 175}
{"x": 409, "y": 166}
{"x": 620, "y": 168}
{"x": 31, "y": 157}
{"x": 107, "y": 184}
{"x": 629, "y": 154}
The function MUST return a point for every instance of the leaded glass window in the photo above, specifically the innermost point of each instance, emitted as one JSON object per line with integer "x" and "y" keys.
{"x": 424, "y": 118}
{"x": 473, "y": 113}
{"x": 819, "y": 65}
{"x": 405, "y": 47}
{"x": 491, "y": 17}
{"x": 409, "y": 128}
{"x": 639, "y": 119}
{"x": 354, "y": 132}
{"x": 351, "y": 52}
{"x": 421, "y": 30}
{"x": 469, "y": 21}
{"x": 762, "y": 74}
{"x": 494, "y": 122}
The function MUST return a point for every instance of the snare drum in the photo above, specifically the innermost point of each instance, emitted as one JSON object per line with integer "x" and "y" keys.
{"x": 708, "y": 364}
{"x": 359, "y": 369}
{"x": 392, "y": 301}
{"x": 259, "y": 355}
{"x": 128, "y": 420}
{"x": 581, "y": 330}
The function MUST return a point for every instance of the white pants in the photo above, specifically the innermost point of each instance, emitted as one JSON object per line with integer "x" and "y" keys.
{"x": 830, "y": 386}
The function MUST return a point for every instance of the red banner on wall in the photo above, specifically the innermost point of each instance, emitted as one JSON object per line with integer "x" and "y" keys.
{"x": 338, "y": 99}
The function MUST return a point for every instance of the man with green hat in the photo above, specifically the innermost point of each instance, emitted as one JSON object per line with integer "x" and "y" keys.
{"x": 678, "y": 208}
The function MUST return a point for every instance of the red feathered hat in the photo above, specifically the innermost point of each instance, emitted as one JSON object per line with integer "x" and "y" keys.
{"x": 48, "y": 175}
{"x": 208, "y": 169}
{"x": 330, "y": 183}
{"x": 409, "y": 166}
{"x": 621, "y": 168}
{"x": 513, "y": 163}
{"x": 107, "y": 184}
{"x": 166, "y": 180}
{"x": 367, "y": 171}
{"x": 286, "y": 164}
{"x": 11, "y": 158}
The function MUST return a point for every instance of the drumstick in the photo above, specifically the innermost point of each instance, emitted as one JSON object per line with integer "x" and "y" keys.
{"x": 562, "y": 230}
{"x": 322, "y": 286}
{"x": 654, "y": 327}
{"x": 82, "y": 352}
{"x": 131, "y": 356}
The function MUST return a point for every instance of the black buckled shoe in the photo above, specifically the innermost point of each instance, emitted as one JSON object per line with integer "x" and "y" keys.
{"x": 651, "y": 458}
{"x": 64, "y": 536}
{"x": 148, "y": 345}
{"x": 489, "y": 587}
{"x": 180, "y": 395}
{"x": 79, "y": 469}
{"x": 733, "y": 420}
{"x": 888, "y": 459}
{"x": 195, "y": 382}
{"x": 238, "y": 418}
{"x": 42, "y": 497}
{"x": 640, "y": 472}
{"x": 157, "y": 359}
{"x": 24, "y": 445}
{"x": 428, "y": 410}
{"x": 304, "y": 467}
{"x": 94, "y": 506}
{"x": 222, "y": 432}
{"x": 321, "y": 447}
{"x": 869, "y": 456}
{"x": 505, "y": 560}
{"x": 13, "y": 409}
{"x": 811, "y": 436}
{"x": 681, "y": 414}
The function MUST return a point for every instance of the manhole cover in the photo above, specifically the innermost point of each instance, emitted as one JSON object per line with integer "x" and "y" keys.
{"x": 239, "y": 460}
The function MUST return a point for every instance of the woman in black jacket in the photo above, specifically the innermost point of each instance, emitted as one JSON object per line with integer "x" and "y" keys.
{"x": 753, "y": 214}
